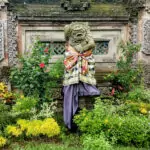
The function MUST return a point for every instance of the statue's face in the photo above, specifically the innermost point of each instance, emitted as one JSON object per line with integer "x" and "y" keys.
{"x": 78, "y": 33}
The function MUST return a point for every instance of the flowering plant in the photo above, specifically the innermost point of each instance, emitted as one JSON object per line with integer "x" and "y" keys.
{"x": 6, "y": 96}
{"x": 35, "y": 76}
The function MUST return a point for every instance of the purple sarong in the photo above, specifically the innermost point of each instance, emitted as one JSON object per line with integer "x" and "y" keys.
{"x": 71, "y": 94}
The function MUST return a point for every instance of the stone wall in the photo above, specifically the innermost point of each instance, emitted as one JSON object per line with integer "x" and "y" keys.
{"x": 20, "y": 25}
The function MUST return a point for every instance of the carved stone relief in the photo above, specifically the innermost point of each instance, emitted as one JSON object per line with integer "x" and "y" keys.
{"x": 1, "y": 41}
{"x": 12, "y": 39}
{"x": 146, "y": 45}
{"x": 134, "y": 35}
{"x": 3, "y": 3}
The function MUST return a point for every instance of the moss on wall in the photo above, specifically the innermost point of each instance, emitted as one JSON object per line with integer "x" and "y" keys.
{"x": 50, "y": 10}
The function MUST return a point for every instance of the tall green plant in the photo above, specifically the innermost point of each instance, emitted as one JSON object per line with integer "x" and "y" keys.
{"x": 34, "y": 75}
{"x": 125, "y": 74}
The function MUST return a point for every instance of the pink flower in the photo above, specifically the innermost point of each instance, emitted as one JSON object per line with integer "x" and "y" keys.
{"x": 42, "y": 65}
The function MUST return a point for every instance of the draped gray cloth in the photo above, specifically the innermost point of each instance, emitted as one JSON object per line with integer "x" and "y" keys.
{"x": 71, "y": 95}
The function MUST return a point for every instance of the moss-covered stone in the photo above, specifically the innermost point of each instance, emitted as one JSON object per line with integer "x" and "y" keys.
{"x": 96, "y": 10}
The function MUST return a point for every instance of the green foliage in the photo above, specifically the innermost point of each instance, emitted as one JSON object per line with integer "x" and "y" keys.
{"x": 118, "y": 123}
{"x": 24, "y": 104}
{"x": 125, "y": 76}
{"x": 98, "y": 142}
{"x": 34, "y": 75}
{"x": 139, "y": 94}
{"x": 44, "y": 146}
{"x": 5, "y": 116}
{"x": 131, "y": 130}
{"x": 46, "y": 111}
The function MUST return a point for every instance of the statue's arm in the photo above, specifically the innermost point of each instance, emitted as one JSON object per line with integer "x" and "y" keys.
{"x": 90, "y": 45}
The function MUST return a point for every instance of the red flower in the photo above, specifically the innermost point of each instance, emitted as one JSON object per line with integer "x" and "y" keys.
{"x": 46, "y": 50}
{"x": 42, "y": 65}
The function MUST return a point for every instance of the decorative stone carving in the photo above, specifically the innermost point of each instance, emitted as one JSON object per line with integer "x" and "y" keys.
{"x": 75, "y": 4}
{"x": 135, "y": 3}
{"x": 12, "y": 39}
{"x": 3, "y": 3}
{"x": 133, "y": 30}
{"x": 146, "y": 73}
{"x": 4, "y": 74}
{"x": 78, "y": 35}
{"x": 1, "y": 41}
{"x": 146, "y": 45}
{"x": 147, "y": 9}
{"x": 134, "y": 36}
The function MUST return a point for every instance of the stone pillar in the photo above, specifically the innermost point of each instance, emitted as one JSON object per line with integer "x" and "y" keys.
{"x": 144, "y": 39}
{"x": 3, "y": 42}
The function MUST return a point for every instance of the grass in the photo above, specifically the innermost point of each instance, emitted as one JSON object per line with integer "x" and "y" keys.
{"x": 53, "y": 146}
{"x": 43, "y": 146}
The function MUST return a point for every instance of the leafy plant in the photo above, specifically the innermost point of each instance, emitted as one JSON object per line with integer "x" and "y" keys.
{"x": 5, "y": 116}
{"x": 116, "y": 122}
{"x": 125, "y": 75}
{"x": 46, "y": 111}
{"x": 34, "y": 75}
{"x": 24, "y": 104}
{"x": 34, "y": 128}
{"x": 100, "y": 142}
{"x": 139, "y": 94}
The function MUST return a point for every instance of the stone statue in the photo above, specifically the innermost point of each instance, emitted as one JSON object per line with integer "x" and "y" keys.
{"x": 79, "y": 36}
{"x": 79, "y": 65}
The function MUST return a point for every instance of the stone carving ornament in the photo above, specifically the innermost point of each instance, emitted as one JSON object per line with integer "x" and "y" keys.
{"x": 146, "y": 45}
{"x": 12, "y": 39}
{"x": 1, "y": 41}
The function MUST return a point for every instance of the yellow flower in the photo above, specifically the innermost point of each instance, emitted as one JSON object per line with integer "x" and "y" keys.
{"x": 143, "y": 110}
{"x": 105, "y": 121}
{"x": 2, "y": 141}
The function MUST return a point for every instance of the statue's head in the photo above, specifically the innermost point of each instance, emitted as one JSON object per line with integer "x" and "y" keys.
{"x": 76, "y": 31}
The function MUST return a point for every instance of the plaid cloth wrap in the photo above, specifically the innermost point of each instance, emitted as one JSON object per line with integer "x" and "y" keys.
{"x": 79, "y": 67}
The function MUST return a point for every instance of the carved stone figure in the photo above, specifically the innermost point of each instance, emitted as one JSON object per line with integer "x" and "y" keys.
{"x": 78, "y": 36}
{"x": 79, "y": 64}
{"x": 75, "y": 4}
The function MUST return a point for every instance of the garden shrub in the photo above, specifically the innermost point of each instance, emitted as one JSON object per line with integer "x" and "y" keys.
{"x": 125, "y": 127}
{"x": 47, "y": 111}
{"x": 24, "y": 104}
{"x": 34, "y": 128}
{"x": 5, "y": 116}
{"x": 34, "y": 75}
{"x": 125, "y": 75}
{"x": 139, "y": 94}
{"x": 96, "y": 142}
{"x": 131, "y": 130}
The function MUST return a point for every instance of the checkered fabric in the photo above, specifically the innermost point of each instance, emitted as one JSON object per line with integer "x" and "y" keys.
{"x": 74, "y": 75}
